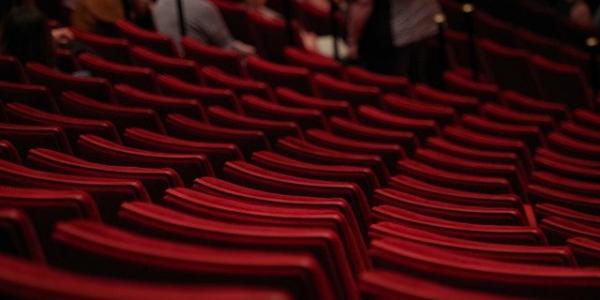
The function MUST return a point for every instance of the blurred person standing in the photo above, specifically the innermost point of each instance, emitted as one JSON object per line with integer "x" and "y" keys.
{"x": 391, "y": 36}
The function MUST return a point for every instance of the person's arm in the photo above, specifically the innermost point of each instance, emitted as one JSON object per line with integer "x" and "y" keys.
{"x": 358, "y": 15}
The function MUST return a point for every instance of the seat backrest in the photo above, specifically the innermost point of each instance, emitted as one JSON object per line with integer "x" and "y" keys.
{"x": 206, "y": 55}
{"x": 141, "y": 37}
{"x": 37, "y": 96}
{"x": 139, "y": 77}
{"x": 113, "y": 49}
{"x": 11, "y": 69}
{"x": 183, "y": 69}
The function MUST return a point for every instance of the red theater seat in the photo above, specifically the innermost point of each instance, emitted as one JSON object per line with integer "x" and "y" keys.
{"x": 559, "y": 230}
{"x": 330, "y": 87}
{"x": 18, "y": 236}
{"x": 422, "y": 127}
{"x": 261, "y": 108}
{"x": 518, "y": 235}
{"x": 538, "y": 255}
{"x": 206, "y": 55}
{"x": 217, "y": 153}
{"x": 501, "y": 277}
{"x": 484, "y": 92}
{"x": 459, "y": 102}
{"x": 25, "y": 283}
{"x": 387, "y": 83}
{"x": 171, "y": 86}
{"x": 532, "y": 105}
{"x": 272, "y": 129}
{"x": 163, "y": 105}
{"x": 113, "y": 49}
{"x": 25, "y": 137}
{"x": 547, "y": 210}
{"x": 183, "y": 69}
{"x": 108, "y": 193}
{"x": 247, "y": 140}
{"x": 145, "y": 38}
{"x": 37, "y": 96}
{"x": 279, "y": 75}
{"x": 155, "y": 180}
{"x": 9, "y": 152}
{"x": 328, "y": 107}
{"x": 586, "y": 250}
{"x": 11, "y": 69}
{"x": 72, "y": 126}
{"x": 162, "y": 261}
{"x": 188, "y": 166}
{"x": 217, "y": 78}
{"x": 445, "y": 210}
{"x": 121, "y": 116}
{"x": 140, "y": 77}
{"x": 443, "y": 114}
{"x": 310, "y": 152}
{"x": 312, "y": 61}
{"x": 323, "y": 243}
{"x": 58, "y": 82}
{"x": 355, "y": 130}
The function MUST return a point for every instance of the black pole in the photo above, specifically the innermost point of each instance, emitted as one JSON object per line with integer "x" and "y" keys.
{"x": 334, "y": 27}
{"x": 592, "y": 44}
{"x": 182, "y": 30}
{"x": 440, "y": 20}
{"x": 127, "y": 9}
{"x": 468, "y": 10}
{"x": 287, "y": 14}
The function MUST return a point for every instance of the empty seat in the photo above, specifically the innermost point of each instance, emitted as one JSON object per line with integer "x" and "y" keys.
{"x": 183, "y": 69}
{"x": 580, "y": 132}
{"x": 272, "y": 129}
{"x": 310, "y": 152}
{"x": 155, "y": 180}
{"x": 24, "y": 281}
{"x": 329, "y": 87}
{"x": 58, "y": 82}
{"x": 565, "y": 183}
{"x": 248, "y": 174}
{"x": 25, "y": 137}
{"x": 328, "y": 107}
{"x": 558, "y": 230}
{"x": 278, "y": 75}
{"x": 188, "y": 166}
{"x": 389, "y": 152}
{"x": 304, "y": 117}
{"x": 217, "y": 153}
{"x": 493, "y": 28}
{"x": 466, "y": 152}
{"x": 457, "y": 180}
{"x": 567, "y": 158}
{"x": 446, "y": 210}
{"x": 145, "y": 38}
{"x": 443, "y": 114}
{"x": 171, "y": 86}
{"x": 562, "y": 83}
{"x": 536, "y": 43}
{"x": 36, "y": 96}
{"x": 527, "y": 104}
{"x": 364, "y": 177}
{"x": 325, "y": 244}
{"x": 162, "y": 261}
{"x": 361, "y": 131}
{"x": 503, "y": 62}
{"x": 113, "y": 49}
{"x": 46, "y": 207}
{"x": 525, "y": 254}
{"x": 530, "y": 134}
{"x": 501, "y": 277}
{"x": 9, "y": 152}
{"x": 121, "y": 116}
{"x": 108, "y": 193}
{"x": 573, "y": 171}
{"x": 18, "y": 236}
{"x": 459, "y": 102}
{"x": 11, "y": 69}
{"x": 269, "y": 35}
{"x": 484, "y": 92}
{"x": 420, "y": 188}
{"x": 139, "y": 77}
{"x": 544, "y": 210}
{"x": 312, "y": 61}
{"x": 217, "y": 78}
{"x": 572, "y": 146}
{"x": 422, "y": 127}
{"x": 206, "y": 55}
{"x": 163, "y": 105}
{"x": 236, "y": 17}
{"x": 506, "y": 114}
{"x": 350, "y": 233}
{"x": 543, "y": 194}
{"x": 387, "y": 83}
{"x": 587, "y": 118}
{"x": 385, "y": 284}
{"x": 72, "y": 126}
{"x": 518, "y": 235}
{"x": 586, "y": 250}
{"x": 247, "y": 140}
